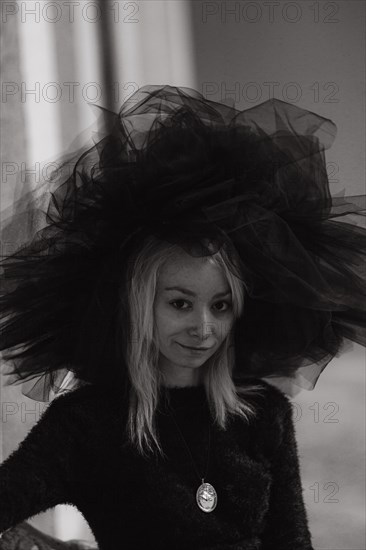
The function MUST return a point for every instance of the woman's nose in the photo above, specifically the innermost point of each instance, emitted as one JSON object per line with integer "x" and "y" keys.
{"x": 203, "y": 324}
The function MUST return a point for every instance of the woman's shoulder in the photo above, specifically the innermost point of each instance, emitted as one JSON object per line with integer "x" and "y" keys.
{"x": 85, "y": 401}
{"x": 81, "y": 410}
{"x": 271, "y": 404}
{"x": 77, "y": 397}
{"x": 86, "y": 393}
{"x": 264, "y": 393}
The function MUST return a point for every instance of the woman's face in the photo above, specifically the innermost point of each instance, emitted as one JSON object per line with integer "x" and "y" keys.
{"x": 197, "y": 312}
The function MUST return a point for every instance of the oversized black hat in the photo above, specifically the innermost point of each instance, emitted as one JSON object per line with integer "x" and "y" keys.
{"x": 192, "y": 172}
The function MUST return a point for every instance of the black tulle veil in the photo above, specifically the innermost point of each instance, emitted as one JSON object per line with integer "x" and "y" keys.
{"x": 200, "y": 174}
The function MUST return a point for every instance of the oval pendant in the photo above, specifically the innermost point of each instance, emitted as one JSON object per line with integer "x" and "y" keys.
{"x": 206, "y": 497}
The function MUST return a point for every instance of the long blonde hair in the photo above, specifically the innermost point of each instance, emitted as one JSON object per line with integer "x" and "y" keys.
{"x": 142, "y": 353}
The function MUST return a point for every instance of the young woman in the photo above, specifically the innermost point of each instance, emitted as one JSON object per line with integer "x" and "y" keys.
{"x": 190, "y": 255}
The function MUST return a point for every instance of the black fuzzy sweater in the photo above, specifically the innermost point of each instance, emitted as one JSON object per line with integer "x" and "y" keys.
{"x": 77, "y": 454}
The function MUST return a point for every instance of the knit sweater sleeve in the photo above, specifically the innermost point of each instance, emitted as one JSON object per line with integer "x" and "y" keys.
{"x": 286, "y": 523}
{"x": 40, "y": 473}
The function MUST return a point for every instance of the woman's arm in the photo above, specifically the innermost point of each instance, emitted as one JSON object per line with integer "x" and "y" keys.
{"x": 39, "y": 474}
{"x": 287, "y": 523}
{"x": 26, "y": 537}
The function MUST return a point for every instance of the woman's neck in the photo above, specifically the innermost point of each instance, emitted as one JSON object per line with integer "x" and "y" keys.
{"x": 173, "y": 374}
{"x": 181, "y": 377}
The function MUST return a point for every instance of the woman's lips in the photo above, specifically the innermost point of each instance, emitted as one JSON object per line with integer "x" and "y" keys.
{"x": 201, "y": 350}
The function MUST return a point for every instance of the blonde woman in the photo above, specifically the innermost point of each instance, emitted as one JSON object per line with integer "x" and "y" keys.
{"x": 187, "y": 258}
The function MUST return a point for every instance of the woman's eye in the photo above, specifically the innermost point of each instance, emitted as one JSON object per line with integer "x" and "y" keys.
{"x": 228, "y": 305}
{"x": 220, "y": 309}
{"x": 177, "y": 302}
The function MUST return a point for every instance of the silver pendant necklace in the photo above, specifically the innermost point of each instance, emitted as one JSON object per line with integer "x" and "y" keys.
{"x": 206, "y": 496}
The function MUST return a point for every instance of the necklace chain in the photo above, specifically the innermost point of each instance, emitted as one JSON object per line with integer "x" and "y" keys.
{"x": 189, "y": 451}
{"x": 206, "y": 495}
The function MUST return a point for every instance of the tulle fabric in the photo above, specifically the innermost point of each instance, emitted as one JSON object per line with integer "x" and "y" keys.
{"x": 203, "y": 175}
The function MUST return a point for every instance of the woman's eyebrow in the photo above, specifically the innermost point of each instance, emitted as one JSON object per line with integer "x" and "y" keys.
{"x": 190, "y": 293}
